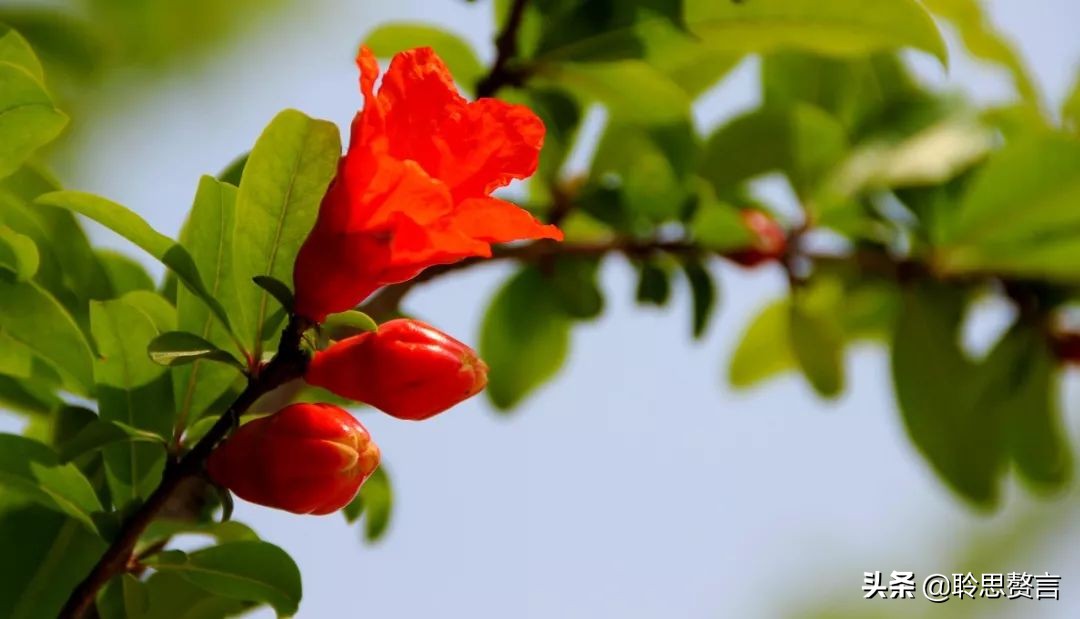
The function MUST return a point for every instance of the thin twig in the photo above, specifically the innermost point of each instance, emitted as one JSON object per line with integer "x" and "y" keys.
{"x": 506, "y": 48}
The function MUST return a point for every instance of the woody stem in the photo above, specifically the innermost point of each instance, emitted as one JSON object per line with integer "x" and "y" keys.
{"x": 289, "y": 363}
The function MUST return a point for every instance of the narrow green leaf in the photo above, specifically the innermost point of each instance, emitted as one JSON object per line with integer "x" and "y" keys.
{"x": 251, "y": 571}
{"x": 765, "y": 349}
{"x": 132, "y": 390}
{"x": 703, "y": 292}
{"x": 132, "y": 227}
{"x": 28, "y": 119}
{"x": 180, "y": 347}
{"x": 33, "y": 470}
{"x": 284, "y": 181}
{"x": 32, "y": 317}
{"x": 18, "y": 254}
{"x": 525, "y": 337}
{"x": 654, "y": 284}
{"x": 277, "y": 289}
{"x": 391, "y": 38}
{"x": 838, "y": 27}
{"x": 817, "y": 342}
{"x": 100, "y": 433}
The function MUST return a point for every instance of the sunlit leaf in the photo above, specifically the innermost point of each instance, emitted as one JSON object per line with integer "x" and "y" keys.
{"x": 18, "y": 254}
{"x": 28, "y": 119}
{"x": 33, "y": 470}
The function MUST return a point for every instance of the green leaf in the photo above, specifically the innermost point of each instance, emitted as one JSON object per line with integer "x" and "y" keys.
{"x": 277, "y": 289}
{"x": 124, "y": 597}
{"x": 654, "y": 284}
{"x": 251, "y": 571}
{"x": 765, "y": 349}
{"x": 124, "y": 274}
{"x": 33, "y": 470}
{"x": 180, "y": 348}
{"x": 156, "y": 307}
{"x": 984, "y": 41}
{"x": 28, "y": 119}
{"x": 161, "y": 530}
{"x": 654, "y": 100}
{"x": 347, "y": 324}
{"x": 133, "y": 228}
{"x": 233, "y": 172}
{"x": 703, "y": 293}
{"x": 375, "y": 503}
{"x": 801, "y": 140}
{"x": 574, "y": 282}
{"x": 717, "y": 225}
{"x": 524, "y": 338}
{"x": 959, "y": 433}
{"x": 389, "y": 39}
{"x": 45, "y": 556}
{"x": 836, "y": 27}
{"x": 32, "y": 317}
{"x": 284, "y": 181}
{"x": 62, "y": 40}
{"x": 1070, "y": 108}
{"x": 818, "y": 345}
{"x": 198, "y": 386}
{"x": 1019, "y": 215}
{"x": 650, "y": 166}
{"x": 132, "y": 390}
{"x": 173, "y": 597}
{"x": 100, "y": 433}
{"x": 15, "y": 50}
{"x": 18, "y": 254}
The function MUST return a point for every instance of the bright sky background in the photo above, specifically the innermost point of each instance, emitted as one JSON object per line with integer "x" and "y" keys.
{"x": 637, "y": 484}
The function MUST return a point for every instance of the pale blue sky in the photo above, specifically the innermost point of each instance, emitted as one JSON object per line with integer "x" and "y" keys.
{"x": 637, "y": 484}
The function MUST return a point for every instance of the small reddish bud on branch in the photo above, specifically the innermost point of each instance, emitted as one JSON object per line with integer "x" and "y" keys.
{"x": 407, "y": 369}
{"x": 769, "y": 240}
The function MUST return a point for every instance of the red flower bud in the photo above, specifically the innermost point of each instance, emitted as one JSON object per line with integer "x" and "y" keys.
{"x": 306, "y": 459}
{"x": 407, "y": 369}
{"x": 769, "y": 242}
{"x": 414, "y": 188}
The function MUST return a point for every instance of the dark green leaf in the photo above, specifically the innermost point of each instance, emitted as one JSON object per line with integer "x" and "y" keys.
{"x": 132, "y": 227}
{"x": 180, "y": 347}
{"x": 124, "y": 597}
{"x": 654, "y": 284}
{"x": 124, "y": 274}
{"x": 277, "y": 288}
{"x": 170, "y": 595}
{"x": 251, "y": 571}
{"x": 939, "y": 398}
{"x": 222, "y": 532}
{"x": 574, "y": 281}
{"x": 524, "y": 338}
{"x": 284, "y": 181}
{"x": 33, "y": 470}
{"x": 234, "y": 171}
{"x": 703, "y": 293}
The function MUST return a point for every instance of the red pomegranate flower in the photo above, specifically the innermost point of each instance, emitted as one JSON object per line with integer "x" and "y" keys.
{"x": 413, "y": 189}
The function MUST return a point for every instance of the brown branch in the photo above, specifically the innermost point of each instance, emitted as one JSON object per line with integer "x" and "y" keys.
{"x": 289, "y": 363}
{"x": 506, "y": 48}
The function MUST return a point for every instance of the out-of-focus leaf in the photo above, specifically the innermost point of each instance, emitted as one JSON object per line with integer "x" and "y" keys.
{"x": 959, "y": 435}
{"x": 63, "y": 41}
{"x": 34, "y": 318}
{"x": 561, "y": 115}
{"x": 764, "y": 350}
{"x": 654, "y": 284}
{"x": 716, "y": 225}
{"x": 524, "y": 338}
{"x": 653, "y": 100}
{"x": 132, "y": 390}
{"x": 33, "y": 470}
{"x": 574, "y": 282}
{"x": 45, "y": 555}
{"x": 99, "y": 433}
{"x": 135, "y": 229}
{"x": 26, "y": 396}
{"x": 375, "y": 502}
{"x": 180, "y": 348}
{"x": 802, "y": 141}
{"x": 284, "y": 180}
{"x": 838, "y": 27}
{"x": 650, "y": 167}
{"x": 1019, "y": 215}
{"x": 28, "y": 118}
{"x": 251, "y": 571}
{"x": 818, "y": 344}
{"x": 124, "y": 274}
{"x": 124, "y": 597}
{"x": 15, "y": 50}
{"x": 1070, "y": 108}
{"x": 984, "y": 41}
{"x": 389, "y": 39}
{"x": 703, "y": 292}
{"x": 18, "y": 254}
{"x": 169, "y": 591}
